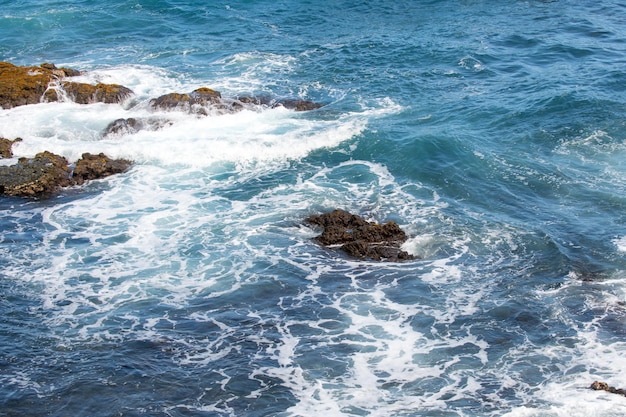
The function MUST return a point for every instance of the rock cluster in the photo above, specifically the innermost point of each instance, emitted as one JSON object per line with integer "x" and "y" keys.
{"x": 46, "y": 83}
{"x": 603, "y": 386}
{"x": 46, "y": 172}
{"x": 360, "y": 238}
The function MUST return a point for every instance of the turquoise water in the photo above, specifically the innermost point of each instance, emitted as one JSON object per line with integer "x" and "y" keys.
{"x": 492, "y": 132}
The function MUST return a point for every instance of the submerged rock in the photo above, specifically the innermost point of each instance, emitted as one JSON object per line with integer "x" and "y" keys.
{"x": 360, "y": 238}
{"x": 47, "y": 172}
{"x": 132, "y": 125}
{"x": 6, "y": 146}
{"x": 298, "y": 105}
{"x": 22, "y": 85}
{"x": 203, "y": 100}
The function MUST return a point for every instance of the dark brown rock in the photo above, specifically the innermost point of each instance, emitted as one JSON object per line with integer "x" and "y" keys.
{"x": 194, "y": 102}
{"x": 603, "y": 386}
{"x": 46, "y": 172}
{"x": 360, "y": 238}
{"x": 292, "y": 104}
{"x": 298, "y": 105}
{"x": 91, "y": 167}
{"x": 34, "y": 176}
{"x": 6, "y": 146}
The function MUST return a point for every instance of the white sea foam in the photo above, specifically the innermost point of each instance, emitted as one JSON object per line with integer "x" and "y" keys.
{"x": 620, "y": 243}
{"x": 189, "y": 222}
{"x": 248, "y": 136}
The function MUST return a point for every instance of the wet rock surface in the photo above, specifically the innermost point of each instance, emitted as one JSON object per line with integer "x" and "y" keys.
{"x": 195, "y": 102}
{"x": 47, "y": 172}
{"x": 360, "y": 238}
{"x": 204, "y": 101}
{"x": 35, "y": 176}
{"x": 22, "y": 85}
{"x": 120, "y": 127}
{"x": 603, "y": 386}
{"x": 91, "y": 167}
{"x": 6, "y": 146}
{"x": 82, "y": 93}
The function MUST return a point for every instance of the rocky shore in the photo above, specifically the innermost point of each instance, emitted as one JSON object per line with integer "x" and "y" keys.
{"x": 47, "y": 172}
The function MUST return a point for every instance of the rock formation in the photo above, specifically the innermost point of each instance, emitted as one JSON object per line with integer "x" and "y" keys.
{"x": 91, "y": 167}
{"x": 132, "y": 125}
{"x": 603, "y": 386}
{"x": 360, "y": 238}
{"x": 21, "y": 85}
{"x": 83, "y": 93}
{"x": 195, "y": 102}
{"x": 201, "y": 100}
{"x": 6, "y": 146}
{"x": 46, "y": 172}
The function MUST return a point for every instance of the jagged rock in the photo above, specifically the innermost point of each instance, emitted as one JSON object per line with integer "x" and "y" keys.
{"x": 31, "y": 85}
{"x": 201, "y": 100}
{"x": 292, "y": 104}
{"x": 6, "y": 146}
{"x": 603, "y": 386}
{"x": 46, "y": 172}
{"x": 298, "y": 105}
{"x": 132, "y": 125}
{"x": 91, "y": 167}
{"x": 34, "y": 176}
{"x": 83, "y": 93}
{"x": 195, "y": 102}
{"x": 360, "y": 238}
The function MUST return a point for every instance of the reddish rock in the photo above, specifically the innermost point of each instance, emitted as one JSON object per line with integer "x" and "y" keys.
{"x": 6, "y": 146}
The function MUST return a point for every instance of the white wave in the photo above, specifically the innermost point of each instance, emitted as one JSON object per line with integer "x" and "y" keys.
{"x": 248, "y": 136}
{"x": 620, "y": 243}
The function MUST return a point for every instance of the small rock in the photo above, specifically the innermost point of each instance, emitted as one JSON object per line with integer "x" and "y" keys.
{"x": 603, "y": 386}
{"x": 120, "y": 127}
{"x": 6, "y": 146}
{"x": 91, "y": 167}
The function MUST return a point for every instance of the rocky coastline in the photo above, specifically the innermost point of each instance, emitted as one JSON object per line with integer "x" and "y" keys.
{"x": 46, "y": 172}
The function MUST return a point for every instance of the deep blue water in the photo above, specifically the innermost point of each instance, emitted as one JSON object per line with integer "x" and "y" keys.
{"x": 494, "y": 133}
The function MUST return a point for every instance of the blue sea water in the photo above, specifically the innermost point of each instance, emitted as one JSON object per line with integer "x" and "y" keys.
{"x": 492, "y": 132}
